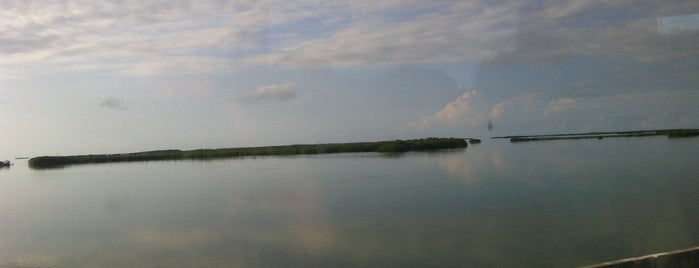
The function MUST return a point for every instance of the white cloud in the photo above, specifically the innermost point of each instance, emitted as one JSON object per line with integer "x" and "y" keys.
{"x": 457, "y": 111}
{"x": 464, "y": 110}
{"x": 278, "y": 92}
{"x": 519, "y": 104}
{"x": 559, "y": 105}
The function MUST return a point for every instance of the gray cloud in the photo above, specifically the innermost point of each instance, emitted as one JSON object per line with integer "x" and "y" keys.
{"x": 114, "y": 103}
{"x": 20, "y": 44}
{"x": 135, "y": 38}
{"x": 612, "y": 30}
{"x": 278, "y": 92}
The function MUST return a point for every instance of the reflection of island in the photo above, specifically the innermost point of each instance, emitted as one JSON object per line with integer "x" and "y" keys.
{"x": 670, "y": 133}
{"x": 301, "y": 149}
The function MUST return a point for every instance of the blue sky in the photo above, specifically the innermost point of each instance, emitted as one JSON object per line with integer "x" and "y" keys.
{"x": 80, "y": 77}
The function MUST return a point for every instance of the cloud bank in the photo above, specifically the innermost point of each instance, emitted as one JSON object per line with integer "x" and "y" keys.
{"x": 533, "y": 113}
{"x": 147, "y": 38}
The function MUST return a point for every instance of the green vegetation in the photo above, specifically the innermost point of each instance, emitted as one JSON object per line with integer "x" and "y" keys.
{"x": 201, "y": 154}
{"x": 670, "y": 133}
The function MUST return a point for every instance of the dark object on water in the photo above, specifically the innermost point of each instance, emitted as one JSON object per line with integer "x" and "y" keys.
{"x": 5, "y": 164}
{"x": 474, "y": 141}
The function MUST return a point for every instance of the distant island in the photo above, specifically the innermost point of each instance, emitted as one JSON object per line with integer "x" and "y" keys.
{"x": 395, "y": 146}
{"x": 670, "y": 133}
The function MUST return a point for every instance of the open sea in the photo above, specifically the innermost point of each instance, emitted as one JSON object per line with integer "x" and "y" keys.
{"x": 496, "y": 204}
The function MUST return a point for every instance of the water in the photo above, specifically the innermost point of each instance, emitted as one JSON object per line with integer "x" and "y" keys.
{"x": 496, "y": 204}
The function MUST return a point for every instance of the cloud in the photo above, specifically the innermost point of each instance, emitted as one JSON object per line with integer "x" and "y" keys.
{"x": 455, "y": 112}
{"x": 172, "y": 65}
{"x": 518, "y": 104}
{"x": 558, "y": 31}
{"x": 535, "y": 113}
{"x": 277, "y": 92}
{"x": 559, "y": 105}
{"x": 464, "y": 110}
{"x": 184, "y": 239}
{"x": 625, "y": 111}
{"x": 113, "y": 103}
{"x": 148, "y": 38}
{"x": 448, "y": 32}
{"x": 503, "y": 33}
{"x": 678, "y": 24}
{"x": 138, "y": 38}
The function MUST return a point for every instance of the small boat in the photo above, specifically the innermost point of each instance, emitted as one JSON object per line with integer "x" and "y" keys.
{"x": 5, "y": 163}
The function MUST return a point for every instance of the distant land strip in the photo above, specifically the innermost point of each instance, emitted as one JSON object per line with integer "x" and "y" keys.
{"x": 670, "y": 133}
{"x": 394, "y": 146}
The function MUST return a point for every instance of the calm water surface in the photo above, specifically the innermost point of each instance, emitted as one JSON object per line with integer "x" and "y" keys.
{"x": 496, "y": 204}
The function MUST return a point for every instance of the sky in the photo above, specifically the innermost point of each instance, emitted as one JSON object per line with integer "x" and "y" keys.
{"x": 113, "y": 76}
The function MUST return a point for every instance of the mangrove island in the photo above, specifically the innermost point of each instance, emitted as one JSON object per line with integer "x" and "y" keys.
{"x": 395, "y": 146}
{"x": 670, "y": 133}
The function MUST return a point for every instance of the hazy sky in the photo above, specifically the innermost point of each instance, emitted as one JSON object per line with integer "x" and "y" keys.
{"x": 81, "y": 77}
